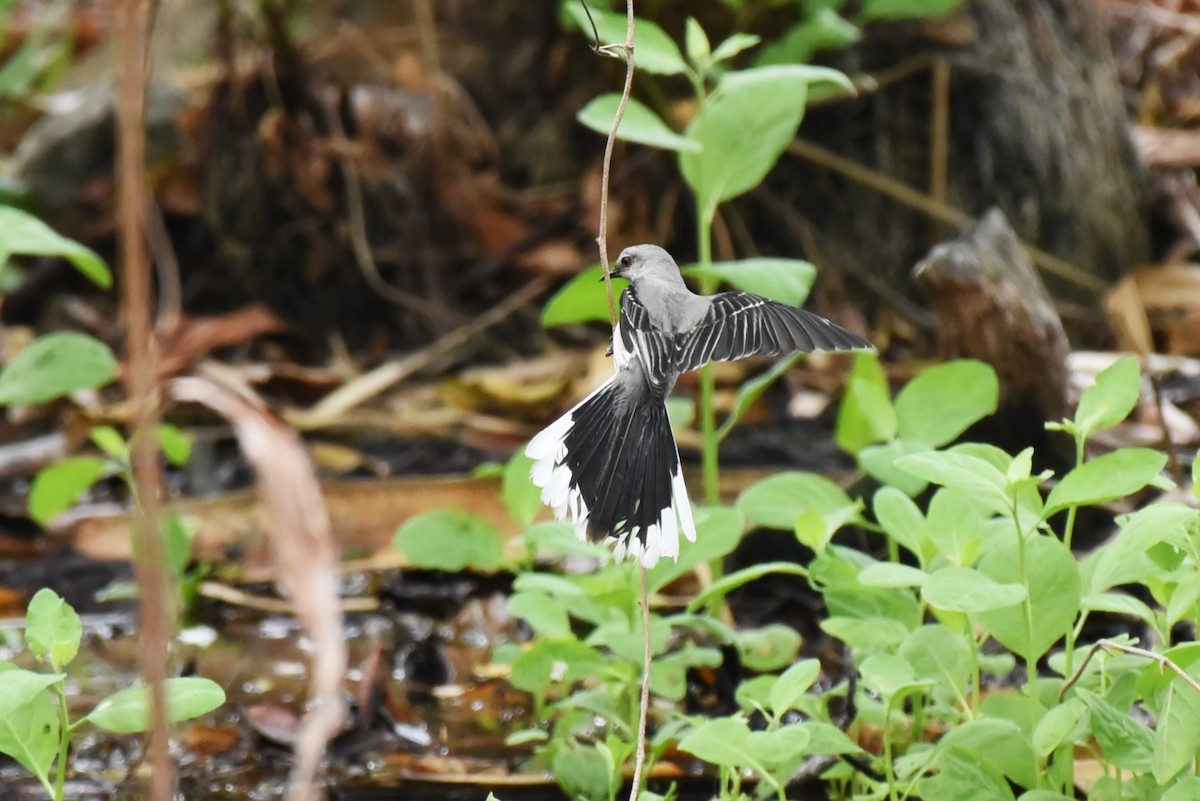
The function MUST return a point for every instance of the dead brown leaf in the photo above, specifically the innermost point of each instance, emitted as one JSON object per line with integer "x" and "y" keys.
{"x": 196, "y": 337}
{"x": 303, "y": 550}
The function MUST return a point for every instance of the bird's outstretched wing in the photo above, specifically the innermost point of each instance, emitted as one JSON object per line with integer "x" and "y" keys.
{"x": 740, "y": 324}
{"x": 655, "y": 349}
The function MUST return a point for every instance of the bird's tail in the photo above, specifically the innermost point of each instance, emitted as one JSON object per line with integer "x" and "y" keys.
{"x": 612, "y": 465}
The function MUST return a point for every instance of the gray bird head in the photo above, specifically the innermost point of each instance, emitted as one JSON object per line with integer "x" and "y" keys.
{"x": 647, "y": 263}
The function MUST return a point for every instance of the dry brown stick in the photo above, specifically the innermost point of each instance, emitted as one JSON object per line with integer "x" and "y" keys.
{"x": 939, "y": 138}
{"x": 921, "y": 202}
{"x": 1163, "y": 661}
{"x": 154, "y": 626}
{"x": 639, "y": 763}
{"x": 386, "y": 375}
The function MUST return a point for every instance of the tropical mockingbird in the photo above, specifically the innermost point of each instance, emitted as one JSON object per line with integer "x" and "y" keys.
{"x": 611, "y": 462}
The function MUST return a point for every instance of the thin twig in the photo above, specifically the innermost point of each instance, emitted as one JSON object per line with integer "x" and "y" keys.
{"x": 602, "y": 237}
{"x": 943, "y": 212}
{"x": 334, "y": 405}
{"x": 154, "y": 627}
{"x": 644, "y": 703}
{"x": 1163, "y": 661}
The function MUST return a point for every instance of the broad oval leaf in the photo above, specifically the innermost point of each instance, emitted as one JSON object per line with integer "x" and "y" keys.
{"x": 942, "y": 402}
{"x": 29, "y": 731}
{"x": 900, "y": 518}
{"x": 522, "y": 498}
{"x": 866, "y": 415}
{"x": 583, "y": 299}
{"x": 1113, "y": 475}
{"x": 58, "y": 487}
{"x": 1111, "y": 399}
{"x": 1052, "y": 579}
{"x": 793, "y": 684}
{"x": 653, "y": 50}
{"x": 450, "y": 540}
{"x": 720, "y": 741}
{"x": 128, "y": 711}
{"x": 53, "y": 630}
{"x": 974, "y": 476}
{"x": 784, "y": 280}
{"x": 638, "y": 124}
{"x": 777, "y": 501}
{"x": 938, "y": 655}
{"x": 55, "y": 365}
{"x": 962, "y": 589}
{"x": 780, "y": 746}
{"x": 22, "y": 233}
{"x": 744, "y": 127}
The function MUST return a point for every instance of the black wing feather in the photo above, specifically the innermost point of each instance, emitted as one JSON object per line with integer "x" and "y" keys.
{"x": 739, "y": 324}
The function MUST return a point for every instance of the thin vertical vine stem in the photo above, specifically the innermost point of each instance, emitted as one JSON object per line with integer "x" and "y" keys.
{"x": 644, "y": 702}
{"x": 609, "y": 145}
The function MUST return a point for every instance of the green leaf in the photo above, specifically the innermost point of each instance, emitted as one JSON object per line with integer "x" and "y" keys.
{"x": 889, "y": 675}
{"x": 869, "y": 633}
{"x": 1052, "y": 577}
{"x": 866, "y": 415}
{"x": 744, "y": 127}
{"x": 733, "y": 45}
{"x": 1177, "y": 734}
{"x": 1056, "y": 726}
{"x": 638, "y": 124}
{"x": 55, "y": 365}
{"x": 793, "y": 684}
{"x": 752, "y": 390}
{"x": 1113, "y": 475}
{"x": 768, "y": 648}
{"x": 873, "y": 10}
{"x": 721, "y": 742}
{"x": 582, "y": 771}
{"x": 1127, "y": 744}
{"x": 963, "y": 776}
{"x": 581, "y": 300}
{"x": 696, "y": 43}
{"x": 176, "y": 445}
{"x": 550, "y": 660}
{"x": 938, "y": 655}
{"x": 780, "y": 746}
{"x": 128, "y": 711}
{"x": 56, "y": 488}
{"x": 955, "y": 526}
{"x": 29, "y": 730}
{"x": 824, "y": 30}
{"x": 942, "y": 402}
{"x": 53, "y": 629}
{"x": 178, "y": 534}
{"x": 450, "y": 540}
{"x": 999, "y": 743}
{"x": 827, "y": 739}
{"x": 719, "y": 529}
{"x": 1186, "y": 789}
{"x": 730, "y": 582}
{"x": 881, "y": 462}
{"x": 783, "y": 280}
{"x": 980, "y": 480}
{"x": 776, "y": 501}
{"x": 653, "y": 50}
{"x": 1123, "y": 560}
{"x": 22, "y": 686}
{"x": 110, "y": 442}
{"x": 962, "y": 589}
{"x": 890, "y": 574}
{"x": 544, "y": 614}
{"x": 900, "y": 518}
{"x": 1111, "y": 399}
{"x": 26, "y": 235}
{"x": 521, "y": 496}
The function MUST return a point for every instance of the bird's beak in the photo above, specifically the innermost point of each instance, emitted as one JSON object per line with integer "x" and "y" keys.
{"x": 615, "y": 272}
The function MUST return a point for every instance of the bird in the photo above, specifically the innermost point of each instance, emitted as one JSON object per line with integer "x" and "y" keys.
{"x": 611, "y": 462}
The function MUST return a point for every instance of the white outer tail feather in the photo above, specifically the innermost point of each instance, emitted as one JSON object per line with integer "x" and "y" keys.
{"x": 548, "y": 451}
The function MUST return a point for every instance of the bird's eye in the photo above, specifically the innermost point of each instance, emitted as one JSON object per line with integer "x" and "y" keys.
{"x": 626, "y": 261}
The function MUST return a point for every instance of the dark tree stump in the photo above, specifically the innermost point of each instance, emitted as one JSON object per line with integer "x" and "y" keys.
{"x": 992, "y": 305}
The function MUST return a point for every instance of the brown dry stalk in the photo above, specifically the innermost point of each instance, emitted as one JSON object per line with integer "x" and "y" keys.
{"x": 155, "y": 625}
